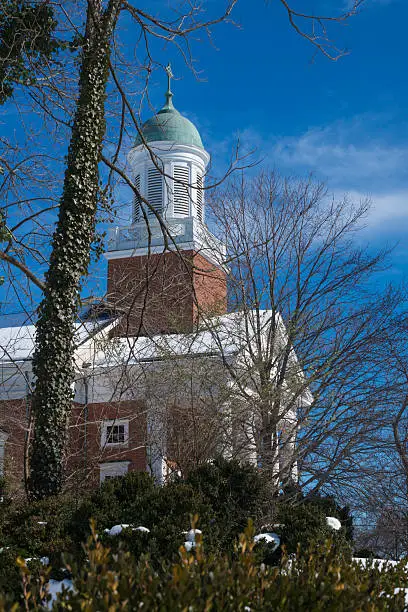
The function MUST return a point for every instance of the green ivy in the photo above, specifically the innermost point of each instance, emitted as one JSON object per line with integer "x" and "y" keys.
{"x": 53, "y": 364}
{"x": 26, "y": 41}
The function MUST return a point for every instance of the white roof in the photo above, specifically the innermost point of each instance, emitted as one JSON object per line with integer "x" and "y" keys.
{"x": 17, "y": 343}
{"x": 222, "y": 336}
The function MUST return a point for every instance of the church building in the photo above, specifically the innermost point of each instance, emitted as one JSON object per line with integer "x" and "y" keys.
{"x": 164, "y": 373}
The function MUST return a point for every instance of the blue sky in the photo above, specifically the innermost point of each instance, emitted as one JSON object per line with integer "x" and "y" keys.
{"x": 344, "y": 121}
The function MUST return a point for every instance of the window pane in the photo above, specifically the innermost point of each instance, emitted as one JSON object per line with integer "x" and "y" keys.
{"x": 115, "y": 434}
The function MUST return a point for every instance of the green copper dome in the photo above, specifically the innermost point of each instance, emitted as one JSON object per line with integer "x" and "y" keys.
{"x": 170, "y": 125}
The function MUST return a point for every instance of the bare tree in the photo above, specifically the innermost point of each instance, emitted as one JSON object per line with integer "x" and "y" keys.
{"x": 57, "y": 97}
{"x": 314, "y": 323}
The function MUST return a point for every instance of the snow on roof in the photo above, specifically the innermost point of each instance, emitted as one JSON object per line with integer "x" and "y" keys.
{"x": 17, "y": 343}
{"x": 220, "y": 336}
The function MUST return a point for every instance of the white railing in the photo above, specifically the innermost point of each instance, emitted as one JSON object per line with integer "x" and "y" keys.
{"x": 183, "y": 231}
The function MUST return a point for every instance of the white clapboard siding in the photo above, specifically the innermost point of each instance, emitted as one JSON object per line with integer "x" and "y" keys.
{"x": 181, "y": 203}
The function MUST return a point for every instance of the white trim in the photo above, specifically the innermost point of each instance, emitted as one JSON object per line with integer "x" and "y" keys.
{"x": 185, "y": 246}
{"x": 112, "y": 469}
{"x": 168, "y": 150}
{"x": 113, "y": 423}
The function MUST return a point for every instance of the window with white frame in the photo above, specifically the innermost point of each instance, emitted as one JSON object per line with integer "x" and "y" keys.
{"x": 113, "y": 469}
{"x": 115, "y": 433}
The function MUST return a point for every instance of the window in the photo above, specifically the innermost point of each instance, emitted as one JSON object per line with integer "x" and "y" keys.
{"x": 113, "y": 469}
{"x": 181, "y": 203}
{"x": 200, "y": 197}
{"x": 114, "y": 433}
{"x": 136, "y": 201}
{"x": 155, "y": 190}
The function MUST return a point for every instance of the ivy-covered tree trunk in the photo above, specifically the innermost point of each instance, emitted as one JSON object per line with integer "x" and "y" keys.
{"x": 55, "y": 339}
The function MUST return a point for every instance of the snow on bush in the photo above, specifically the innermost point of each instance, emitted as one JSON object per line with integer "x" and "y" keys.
{"x": 269, "y": 538}
{"x": 191, "y": 535}
{"x": 141, "y": 528}
{"x": 381, "y": 564}
{"x": 117, "y": 529}
{"x": 190, "y": 538}
{"x": 42, "y": 560}
{"x": 333, "y": 523}
{"x": 56, "y": 586}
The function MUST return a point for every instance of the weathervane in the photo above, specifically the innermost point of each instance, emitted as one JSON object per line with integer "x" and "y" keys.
{"x": 169, "y": 94}
{"x": 170, "y": 76}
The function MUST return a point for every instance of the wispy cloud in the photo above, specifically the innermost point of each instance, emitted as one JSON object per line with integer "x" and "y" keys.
{"x": 361, "y": 156}
{"x": 346, "y": 164}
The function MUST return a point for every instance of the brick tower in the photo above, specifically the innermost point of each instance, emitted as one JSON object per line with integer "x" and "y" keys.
{"x": 165, "y": 270}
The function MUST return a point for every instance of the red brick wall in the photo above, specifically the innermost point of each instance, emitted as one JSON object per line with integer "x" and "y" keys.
{"x": 14, "y": 422}
{"x": 165, "y": 293}
{"x": 83, "y": 458}
{"x": 86, "y": 452}
{"x": 210, "y": 288}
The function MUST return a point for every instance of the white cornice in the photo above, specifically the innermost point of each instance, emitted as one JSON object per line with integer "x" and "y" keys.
{"x": 167, "y": 151}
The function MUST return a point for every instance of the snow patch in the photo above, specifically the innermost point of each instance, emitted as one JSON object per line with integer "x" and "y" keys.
{"x": 56, "y": 586}
{"x": 191, "y": 536}
{"x": 333, "y": 522}
{"x": 269, "y": 538}
{"x": 382, "y": 564}
{"x": 42, "y": 560}
{"x": 117, "y": 529}
{"x": 141, "y": 528}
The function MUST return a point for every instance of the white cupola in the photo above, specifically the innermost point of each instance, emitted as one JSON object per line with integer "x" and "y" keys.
{"x": 169, "y": 172}
{"x": 168, "y": 164}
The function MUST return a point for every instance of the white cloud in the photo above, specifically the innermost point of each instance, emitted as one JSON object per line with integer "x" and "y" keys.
{"x": 363, "y": 156}
{"x": 389, "y": 206}
{"x": 388, "y": 210}
{"x": 348, "y": 154}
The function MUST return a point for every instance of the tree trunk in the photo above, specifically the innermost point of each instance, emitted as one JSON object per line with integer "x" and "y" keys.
{"x": 55, "y": 340}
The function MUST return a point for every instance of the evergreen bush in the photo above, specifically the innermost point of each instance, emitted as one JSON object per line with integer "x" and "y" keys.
{"x": 235, "y": 491}
{"x": 317, "y": 580}
{"x": 40, "y": 528}
{"x": 302, "y": 524}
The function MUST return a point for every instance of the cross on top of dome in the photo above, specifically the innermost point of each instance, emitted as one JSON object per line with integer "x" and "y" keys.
{"x": 168, "y": 124}
{"x": 169, "y": 93}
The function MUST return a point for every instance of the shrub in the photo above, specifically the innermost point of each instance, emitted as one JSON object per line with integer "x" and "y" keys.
{"x": 234, "y": 491}
{"x": 10, "y": 576}
{"x": 225, "y": 494}
{"x": 40, "y": 528}
{"x": 135, "y": 499}
{"x": 305, "y": 524}
{"x": 330, "y": 507}
{"x": 110, "y": 504}
{"x": 317, "y": 580}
